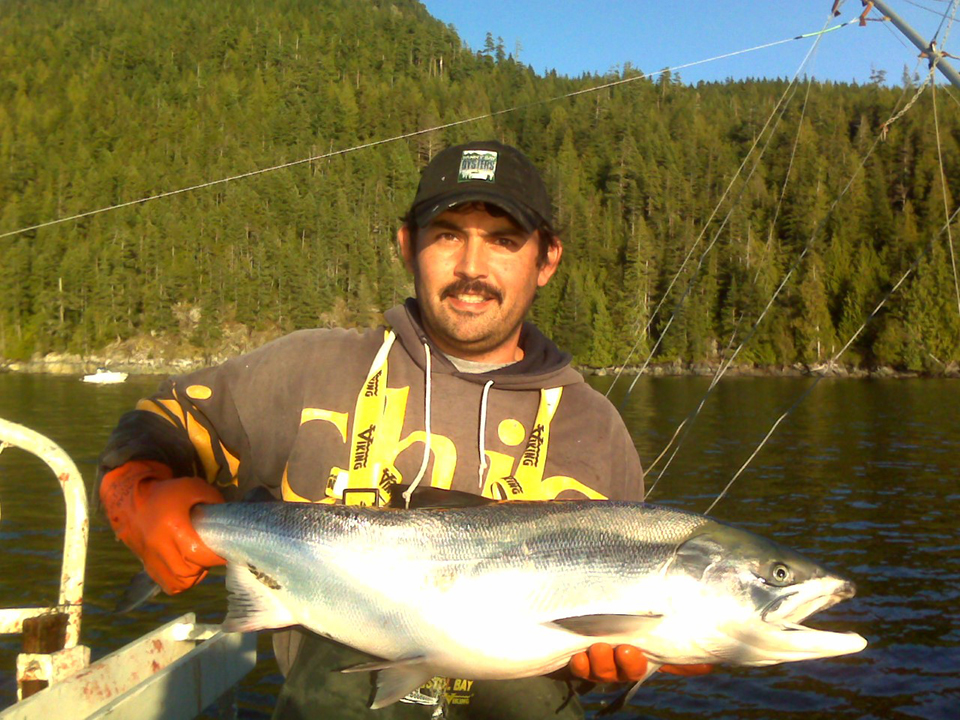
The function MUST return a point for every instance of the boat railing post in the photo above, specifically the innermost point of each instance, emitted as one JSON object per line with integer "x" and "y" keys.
{"x": 49, "y": 664}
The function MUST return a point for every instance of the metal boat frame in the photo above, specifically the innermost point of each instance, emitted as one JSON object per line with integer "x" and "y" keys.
{"x": 174, "y": 672}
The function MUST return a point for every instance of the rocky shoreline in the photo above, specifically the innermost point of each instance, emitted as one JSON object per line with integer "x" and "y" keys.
{"x": 66, "y": 364}
{"x": 139, "y": 363}
{"x": 677, "y": 369}
{"x": 172, "y": 354}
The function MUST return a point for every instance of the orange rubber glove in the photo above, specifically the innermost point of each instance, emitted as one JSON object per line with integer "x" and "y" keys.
{"x": 602, "y": 663}
{"x": 149, "y": 510}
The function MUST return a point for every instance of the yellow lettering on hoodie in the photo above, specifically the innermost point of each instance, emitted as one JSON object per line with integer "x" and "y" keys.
{"x": 529, "y": 472}
{"x": 383, "y": 473}
{"x": 337, "y": 419}
{"x": 551, "y": 488}
{"x": 444, "y": 454}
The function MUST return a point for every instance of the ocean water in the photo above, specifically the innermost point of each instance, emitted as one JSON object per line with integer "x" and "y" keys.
{"x": 863, "y": 476}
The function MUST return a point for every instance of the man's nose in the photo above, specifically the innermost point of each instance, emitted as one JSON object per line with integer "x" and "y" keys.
{"x": 472, "y": 262}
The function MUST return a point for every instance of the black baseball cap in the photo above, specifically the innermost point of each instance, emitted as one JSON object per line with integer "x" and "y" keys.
{"x": 485, "y": 171}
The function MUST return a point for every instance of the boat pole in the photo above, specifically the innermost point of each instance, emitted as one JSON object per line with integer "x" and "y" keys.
{"x": 927, "y": 49}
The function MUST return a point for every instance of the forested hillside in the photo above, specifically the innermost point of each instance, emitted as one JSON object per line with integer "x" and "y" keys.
{"x": 107, "y": 101}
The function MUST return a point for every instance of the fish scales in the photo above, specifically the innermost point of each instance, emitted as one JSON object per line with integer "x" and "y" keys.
{"x": 620, "y": 533}
{"x": 515, "y": 589}
{"x": 368, "y": 567}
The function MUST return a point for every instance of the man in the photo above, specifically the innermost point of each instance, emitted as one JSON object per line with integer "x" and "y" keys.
{"x": 456, "y": 392}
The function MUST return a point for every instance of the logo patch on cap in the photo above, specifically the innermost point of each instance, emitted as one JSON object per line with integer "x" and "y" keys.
{"x": 478, "y": 165}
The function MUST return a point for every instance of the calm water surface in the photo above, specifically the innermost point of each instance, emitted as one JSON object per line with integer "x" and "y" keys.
{"x": 863, "y": 477}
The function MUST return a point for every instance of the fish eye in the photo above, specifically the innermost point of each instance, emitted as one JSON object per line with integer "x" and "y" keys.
{"x": 780, "y": 574}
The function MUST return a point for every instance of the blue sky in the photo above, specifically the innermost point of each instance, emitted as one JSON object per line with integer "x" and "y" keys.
{"x": 573, "y": 36}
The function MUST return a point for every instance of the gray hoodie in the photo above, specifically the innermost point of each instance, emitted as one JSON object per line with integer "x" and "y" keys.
{"x": 331, "y": 415}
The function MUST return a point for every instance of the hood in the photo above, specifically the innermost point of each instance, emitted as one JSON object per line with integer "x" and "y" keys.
{"x": 543, "y": 364}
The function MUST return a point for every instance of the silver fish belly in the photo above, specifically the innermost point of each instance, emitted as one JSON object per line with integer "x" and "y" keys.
{"x": 515, "y": 589}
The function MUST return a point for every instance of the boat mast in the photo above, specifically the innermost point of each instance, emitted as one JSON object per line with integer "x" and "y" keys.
{"x": 927, "y": 49}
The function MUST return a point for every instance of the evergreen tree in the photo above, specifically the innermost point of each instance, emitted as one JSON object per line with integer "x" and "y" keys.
{"x": 204, "y": 91}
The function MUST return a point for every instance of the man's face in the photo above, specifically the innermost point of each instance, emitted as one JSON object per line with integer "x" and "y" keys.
{"x": 476, "y": 276}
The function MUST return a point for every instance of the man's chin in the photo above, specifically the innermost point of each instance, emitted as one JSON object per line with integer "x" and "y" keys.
{"x": 469, "y": 333}
{"x": 470, "y": 340}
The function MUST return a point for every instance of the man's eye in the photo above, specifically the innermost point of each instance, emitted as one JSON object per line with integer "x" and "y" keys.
{"x": 506, "y": 242}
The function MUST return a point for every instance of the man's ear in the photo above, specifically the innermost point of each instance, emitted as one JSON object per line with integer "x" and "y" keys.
{"x": 406, "y": 243}
{"x": 551, "y": 262}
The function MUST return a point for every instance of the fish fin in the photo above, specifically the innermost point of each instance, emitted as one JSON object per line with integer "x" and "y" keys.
{"x": 374, "y": 665}
{"x": 253, "y": 605}
{"x": 431, "y": 497}
{"x": 624, "y": 698}
{"x": 395, "y": 678}
{"x": 603, "y": 625}
{"x": 141, "y": 588}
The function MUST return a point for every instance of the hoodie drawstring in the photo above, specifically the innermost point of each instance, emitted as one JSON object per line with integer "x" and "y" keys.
{"x": 483, "y": 431}
{"x": 426, "y": 426}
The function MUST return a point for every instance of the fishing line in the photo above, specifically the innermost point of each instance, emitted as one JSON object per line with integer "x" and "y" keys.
{"x": 953, "y": 17}
{"x": 943, "y": 176}
{"x": 417, "y": 133}
{"x": 644, "y": 333}
{"x": 943, "y": 187}
{"x": 856, "y": 334}
{"x": 691, "y": 283}
{"x": 796, "y": 263}
{"x": 924, "y": 7}
{"x": 951, "y": 95}
{"x": 899, "y": 38}
{"x": 688, "y": 421}
{"x": 736, "y": 329}
{"x": 724, "y": 366}
{"x": 834, "y": 359}
{"x": 786, "y": 182}
{"x": 788, "y": 91}
{"x": 943, "y": 19}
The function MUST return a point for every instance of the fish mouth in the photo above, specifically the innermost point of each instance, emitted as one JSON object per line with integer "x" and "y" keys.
{"x": 806, "y": 599}
{"x": 778, "y": 635}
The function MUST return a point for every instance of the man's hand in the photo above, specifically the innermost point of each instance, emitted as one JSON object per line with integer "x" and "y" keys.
{"x": 602, "y": 663}
{"x": 149, "y": 510}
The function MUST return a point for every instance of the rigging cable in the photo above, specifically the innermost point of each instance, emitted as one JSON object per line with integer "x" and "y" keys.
{"x": 791, "y": 87}
{"x": 945, "y": 228}
{"x": 416, "y": 133}
{"x": 724, "y": 366}
{"x": 786, "y": 181}
{"x": 943, "y": 20}
{"x": 943, "y": 177}
{"x": 923, "y": 7}
{"x": 642, "y": 334}
{"x": 834, "y": 359}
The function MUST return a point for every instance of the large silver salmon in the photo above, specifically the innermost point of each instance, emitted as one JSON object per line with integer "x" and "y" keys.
{"x": 515, "y": 589}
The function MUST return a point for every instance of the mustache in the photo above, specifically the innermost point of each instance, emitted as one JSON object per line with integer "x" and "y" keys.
{"x": 471, "y": 287}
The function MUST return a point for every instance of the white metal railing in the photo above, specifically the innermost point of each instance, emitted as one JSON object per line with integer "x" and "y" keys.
{"x": 51, "y": 667}
{"x": 172, "y": 673}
